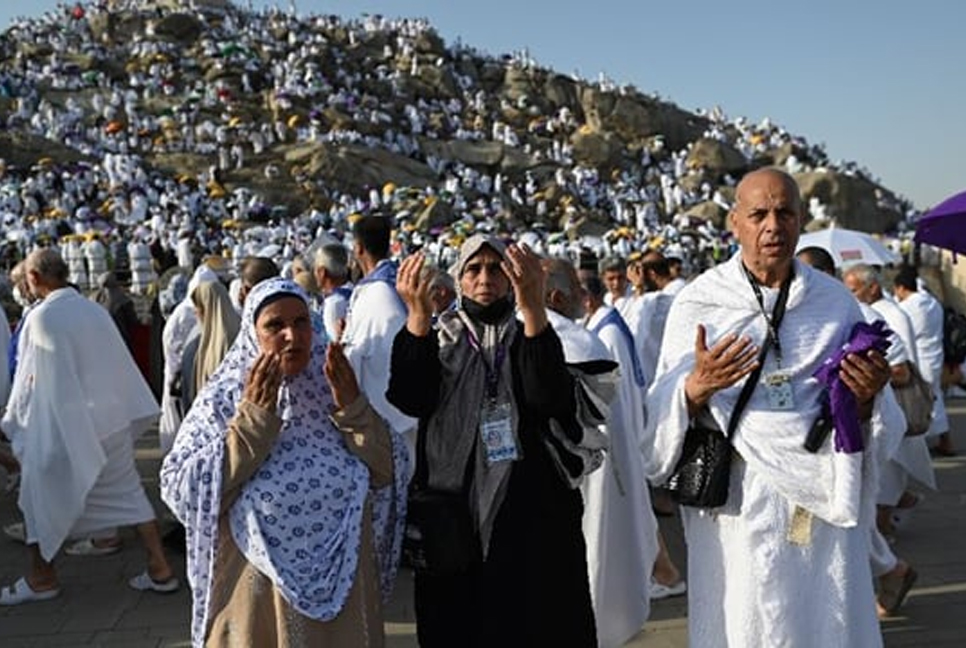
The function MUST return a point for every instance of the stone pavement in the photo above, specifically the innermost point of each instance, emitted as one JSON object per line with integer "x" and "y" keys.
{"x": 97, "y": 608}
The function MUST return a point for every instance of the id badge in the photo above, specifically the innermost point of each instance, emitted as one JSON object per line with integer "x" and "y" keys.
{"x": 779, "y": 389}
{"x": 497, "y": 433}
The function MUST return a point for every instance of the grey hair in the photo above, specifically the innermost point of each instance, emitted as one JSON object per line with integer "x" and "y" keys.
{"x": 611, "y": 264}
{"x": 864, "y": 273}
{"x": 334, "y": 257}
{"x": 442, "y": 279}
{"x": 558, "y": 278}
{"x": 49, "y": 265}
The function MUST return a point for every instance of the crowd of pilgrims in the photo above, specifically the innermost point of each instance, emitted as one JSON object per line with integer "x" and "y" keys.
{"x": 174, "y": 261}
{"x": 118, "y": 200}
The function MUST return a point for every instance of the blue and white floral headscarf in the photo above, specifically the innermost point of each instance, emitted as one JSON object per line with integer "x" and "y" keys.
{"x": 298, "y": 520}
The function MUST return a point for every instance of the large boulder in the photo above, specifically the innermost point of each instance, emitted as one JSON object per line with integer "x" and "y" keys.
{"x": 23, "y": 150}
{"x": 354, "y": 167}
{"x": 429, "y": 42}
{"x": 598, "y": 150}
{"x": 440, "y": 80}
{"x": 482, "y": 153}
{"x": 853, "y": 201}
{"x": 636, "y": 118}
{"x": 179, "y": 27}
{"x": 560, "y": 91}
{"x": 709, "y": 212}
{"x": 435, "y": 213}
{"x": 717, "y": 157}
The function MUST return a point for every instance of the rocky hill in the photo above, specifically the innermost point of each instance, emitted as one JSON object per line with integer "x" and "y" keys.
{"x": 267, "y": 117}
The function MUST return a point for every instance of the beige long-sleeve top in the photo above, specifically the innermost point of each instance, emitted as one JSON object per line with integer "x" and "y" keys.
{"x": 246, "y": 608}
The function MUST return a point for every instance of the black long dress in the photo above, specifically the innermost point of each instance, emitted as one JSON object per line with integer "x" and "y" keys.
{"x": 532, "y": 590}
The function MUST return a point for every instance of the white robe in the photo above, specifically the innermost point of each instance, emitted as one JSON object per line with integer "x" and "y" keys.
{"x": 748, "y": 580}
{"x": 649, "y": 330}
{"x": 375, "y": 315}
{"x": 619, "y": 525}
{"x": 78, "y": 402}
{"x": 926, "y": 315}
{"x": 912, "y": 455}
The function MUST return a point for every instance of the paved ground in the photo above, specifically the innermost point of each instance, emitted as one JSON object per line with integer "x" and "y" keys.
{"x": 98, "y": 609}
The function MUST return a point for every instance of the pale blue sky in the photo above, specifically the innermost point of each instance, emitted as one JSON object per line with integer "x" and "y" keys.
{"x": 878, "y": 82}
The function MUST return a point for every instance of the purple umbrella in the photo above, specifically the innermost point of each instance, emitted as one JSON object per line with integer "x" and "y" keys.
{"x": 945, "y": 225}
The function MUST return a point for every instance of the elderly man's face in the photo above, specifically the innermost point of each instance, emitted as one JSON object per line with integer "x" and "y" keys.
{"x": 483, "y": 280}
{"x": 865, "y": 293}
{"x": 766, "y": 220}
{"x": 285, "y": 328}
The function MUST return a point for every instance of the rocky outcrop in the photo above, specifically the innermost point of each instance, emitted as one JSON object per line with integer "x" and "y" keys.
{"x": 717, "y": 158}
{"x": 854, "y": 202}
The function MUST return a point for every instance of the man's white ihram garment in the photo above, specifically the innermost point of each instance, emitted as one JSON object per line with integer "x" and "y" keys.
{"x": 376, "y": 313}
{"x": 619, "y": 525}
{"x": 748, "y": 580}
{"x": 912, "y": 454}
{"x": 78, "y": 401}
{"x": 926, "y": 316}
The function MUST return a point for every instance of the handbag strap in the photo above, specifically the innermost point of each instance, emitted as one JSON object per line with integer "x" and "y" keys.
{"x": 778, "y": 313}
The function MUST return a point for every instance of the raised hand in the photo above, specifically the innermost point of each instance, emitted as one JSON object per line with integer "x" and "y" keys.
{"x": 525, "y": 271}
{"x": 412, "y": 284}
{"x": 263, "y": 382}
{"x": 341, "y": 377}
{"x": 728, "y": 361}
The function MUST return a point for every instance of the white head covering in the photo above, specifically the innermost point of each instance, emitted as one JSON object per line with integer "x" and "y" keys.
{"x": 310, "y": 479}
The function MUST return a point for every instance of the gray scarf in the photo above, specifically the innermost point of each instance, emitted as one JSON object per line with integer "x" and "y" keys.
{"x": 452, "y": 433}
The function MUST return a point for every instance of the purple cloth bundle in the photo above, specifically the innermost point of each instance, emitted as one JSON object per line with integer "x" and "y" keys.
{"x": 844, "y": 410}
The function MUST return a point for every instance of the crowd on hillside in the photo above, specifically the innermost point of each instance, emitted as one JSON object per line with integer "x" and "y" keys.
{"x": 164, "y": 103}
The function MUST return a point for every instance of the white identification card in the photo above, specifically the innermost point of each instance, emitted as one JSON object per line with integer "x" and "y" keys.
{"x": 496, "y": 430}
{"x": 779, "y": 389}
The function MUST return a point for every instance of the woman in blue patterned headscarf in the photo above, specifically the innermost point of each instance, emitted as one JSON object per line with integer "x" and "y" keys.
{"x": 290, "y": 488}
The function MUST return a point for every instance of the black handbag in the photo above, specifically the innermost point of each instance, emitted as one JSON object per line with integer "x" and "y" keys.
{"x": 703, "y": 472}
{"x": 701, "y": 476}
{"x": 439, "y": 536}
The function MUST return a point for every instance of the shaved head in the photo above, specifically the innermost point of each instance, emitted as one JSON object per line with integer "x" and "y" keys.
{"x": 767, "y": 219}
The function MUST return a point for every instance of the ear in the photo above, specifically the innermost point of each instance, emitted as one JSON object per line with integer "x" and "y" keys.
{"x": 553, "y": 297}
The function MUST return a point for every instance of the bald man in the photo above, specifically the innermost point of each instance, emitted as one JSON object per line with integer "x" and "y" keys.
{"x": 791, "y": 542}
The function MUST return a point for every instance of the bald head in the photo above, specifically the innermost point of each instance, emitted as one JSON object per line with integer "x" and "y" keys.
{"x": 767, "y": 219}
{"x": 756, "y": 178}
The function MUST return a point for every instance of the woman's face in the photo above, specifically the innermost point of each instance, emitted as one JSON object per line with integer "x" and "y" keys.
{"x": 483, "y": 280}
{"x": 285, "y": 328}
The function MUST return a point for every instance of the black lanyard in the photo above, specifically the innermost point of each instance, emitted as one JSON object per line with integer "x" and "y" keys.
{"x": 777, "y": 313}
{"x": 492, "y": 372}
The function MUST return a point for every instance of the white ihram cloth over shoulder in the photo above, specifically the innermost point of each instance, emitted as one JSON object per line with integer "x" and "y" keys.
{"x": 76, "y": 389}
{"x": 748, "y": 580}
{"x": 619, "y": 525}
{"x": 926, "y": 315}
{"x": 375, "y": 315}
{"x": 911, "y": 456}
{"x": 298, "y": 519}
